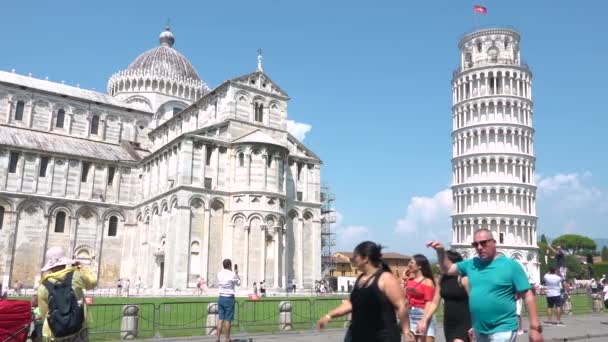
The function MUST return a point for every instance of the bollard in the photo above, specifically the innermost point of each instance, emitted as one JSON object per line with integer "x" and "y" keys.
{"x": 285, "y": 322}
{"x": 598, "y": 302}
{"x": 567, "y": 307}
{"x": 212, "y": 318}
{"x": 130, "y": 322}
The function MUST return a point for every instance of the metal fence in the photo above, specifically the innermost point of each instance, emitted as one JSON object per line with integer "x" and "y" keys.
{"x": 189, "y": 318}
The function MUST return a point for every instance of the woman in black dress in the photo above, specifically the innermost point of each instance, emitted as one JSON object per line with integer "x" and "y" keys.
{"x": 373, "y": 301}
{"x": 454, "y": 290}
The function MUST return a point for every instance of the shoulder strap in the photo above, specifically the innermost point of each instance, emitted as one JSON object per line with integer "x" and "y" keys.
{"x": 68, "y": 278}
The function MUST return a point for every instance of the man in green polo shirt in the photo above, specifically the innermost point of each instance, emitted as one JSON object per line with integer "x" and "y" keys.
{"x": 494, "y": 280}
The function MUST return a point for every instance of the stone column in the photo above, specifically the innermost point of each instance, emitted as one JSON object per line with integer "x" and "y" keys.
{"x": 43, "y": 245}
{"x": 262, "y": 242}
{"x": 217, "y": 168}
{"x": 74, "y": 233}
{"x": 92, "y": 180}
{"x": 185, "y": 162}
{"x": 231, "y": 167}
{"x": 247, "y": 230}
{"x": 284, "y": 256}
{"x": 96, "y": 257}
{"x": 205, "y": 249}
{"x": 11, "y": 107}
{"x": 300, "y": 250}
{"x": 21, "y": 170}
{"x": 266, "y": 156}
{"x": 37, "y": 174}
{"x": 30, "y": 117}
{"x": 277, "y": 166}
{"x": 50, "y": 175}
{"x": 176, "y": 269}
{"x": 12, "y": 240}
{"x": 248, "y": 166}
{"x": 204, "y": 164}
{"x": 277, "y": 241}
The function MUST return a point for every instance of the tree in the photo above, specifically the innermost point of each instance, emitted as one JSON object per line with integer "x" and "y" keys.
{"x": 543, "y": 238}
{"x": 605, "y": 253}
{"x": 575, "y": 244}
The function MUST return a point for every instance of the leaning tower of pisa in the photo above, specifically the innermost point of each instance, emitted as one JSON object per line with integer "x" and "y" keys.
{"x": 493, "y": 147}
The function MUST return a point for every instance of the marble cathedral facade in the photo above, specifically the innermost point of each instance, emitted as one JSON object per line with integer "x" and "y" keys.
{"x": 159, "y": 179}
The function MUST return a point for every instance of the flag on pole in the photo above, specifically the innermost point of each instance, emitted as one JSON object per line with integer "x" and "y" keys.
{"x": 480, "y": 9}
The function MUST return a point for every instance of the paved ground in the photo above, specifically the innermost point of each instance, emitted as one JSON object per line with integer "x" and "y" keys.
{"x": 587, "y": 328}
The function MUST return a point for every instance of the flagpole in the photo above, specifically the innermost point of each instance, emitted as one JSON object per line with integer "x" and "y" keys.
{"x": 475, "y": 20}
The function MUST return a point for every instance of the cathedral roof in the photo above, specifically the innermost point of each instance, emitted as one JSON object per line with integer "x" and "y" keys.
{"x": 165, "y": 61}
{"x": 63, "y": 89}
{"x": 56, "y": 143}
{"x": 257, "y": 137}
{"x": 162, "y": 69}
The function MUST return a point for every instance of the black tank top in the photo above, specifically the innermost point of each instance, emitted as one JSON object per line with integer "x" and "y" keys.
{"x": 456, "y": 303}
{"x": 373, "y": 315}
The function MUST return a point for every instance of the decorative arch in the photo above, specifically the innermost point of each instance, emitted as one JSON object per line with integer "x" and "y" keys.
{"x": 241, "y": 96}
{"x": 197, "y": 202}
{"x": 114, "y": 212}
{"x": 28, "y": 203}
{"x": 6, "y": 204}
{"x": 53, "y": 209}
{"x": 293, "y": 213}
{"x": 255, "y": 216}
{"x": 155, "y": 210}
{"x": 217, "y": 201}
{"x": 271, "y": 218}
{"x": 238, "y": 216}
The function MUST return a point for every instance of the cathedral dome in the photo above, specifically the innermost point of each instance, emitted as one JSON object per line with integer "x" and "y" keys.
{"x": 165, "y": 61}
{"x": 163, "y": 69}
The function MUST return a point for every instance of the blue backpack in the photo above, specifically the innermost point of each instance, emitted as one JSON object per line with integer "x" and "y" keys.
{"x": 66, "y": 316}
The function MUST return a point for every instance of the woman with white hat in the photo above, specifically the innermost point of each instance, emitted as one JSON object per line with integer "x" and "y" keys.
{"x": 60, "y": 272}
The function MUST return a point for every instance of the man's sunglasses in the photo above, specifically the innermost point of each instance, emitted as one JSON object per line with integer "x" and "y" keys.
{"x": 482, "y": 243}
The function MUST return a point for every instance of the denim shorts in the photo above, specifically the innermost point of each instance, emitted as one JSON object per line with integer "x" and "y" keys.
{"x": 416, "y": 315}
{"x": 225, "y": 306}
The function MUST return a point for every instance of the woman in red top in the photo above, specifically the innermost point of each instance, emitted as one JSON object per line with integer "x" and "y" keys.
{"x": 419, "y": 289}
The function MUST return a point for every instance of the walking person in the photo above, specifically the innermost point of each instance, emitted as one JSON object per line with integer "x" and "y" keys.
{"x": 605, "y": 290}
{"x": 263, "y": 288}
{"x": 37, "y": 319}
{"x": 227, "y": 280}
{"x": 61, "y": 298}
{"x": 494, "y": 280}
{"x": 373, "y": 301}
{"x": 454, "y": 290}
{"x": 553, "y": 288}
{"x": 420, "y": 289}
{"x": 138, "y": 284}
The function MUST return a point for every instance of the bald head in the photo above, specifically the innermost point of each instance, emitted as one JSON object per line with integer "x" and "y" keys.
{"x": 484, "y": 233}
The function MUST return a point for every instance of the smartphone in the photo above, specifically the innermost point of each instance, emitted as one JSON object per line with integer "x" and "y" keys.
{"x": 236, "y": 267}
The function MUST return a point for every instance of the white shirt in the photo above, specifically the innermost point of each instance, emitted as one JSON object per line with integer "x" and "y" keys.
{"x": 553, "y": 284}
{"x": 605, "y": 292}
{"x": 226, "y": 281}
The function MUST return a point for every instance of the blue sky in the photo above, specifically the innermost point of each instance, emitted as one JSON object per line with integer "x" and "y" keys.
{"x": 372, "y": 79}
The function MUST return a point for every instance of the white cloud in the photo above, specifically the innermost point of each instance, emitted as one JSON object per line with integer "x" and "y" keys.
{"x": 571, "y": 190}
{"x": 424, "y": 214}
{"x": 349, "y": 236}
{"x": 298, "y": 129}
{"x": 571, "y": 203}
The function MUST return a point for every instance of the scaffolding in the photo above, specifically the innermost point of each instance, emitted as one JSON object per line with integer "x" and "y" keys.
{"x": 328, "y": 217}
